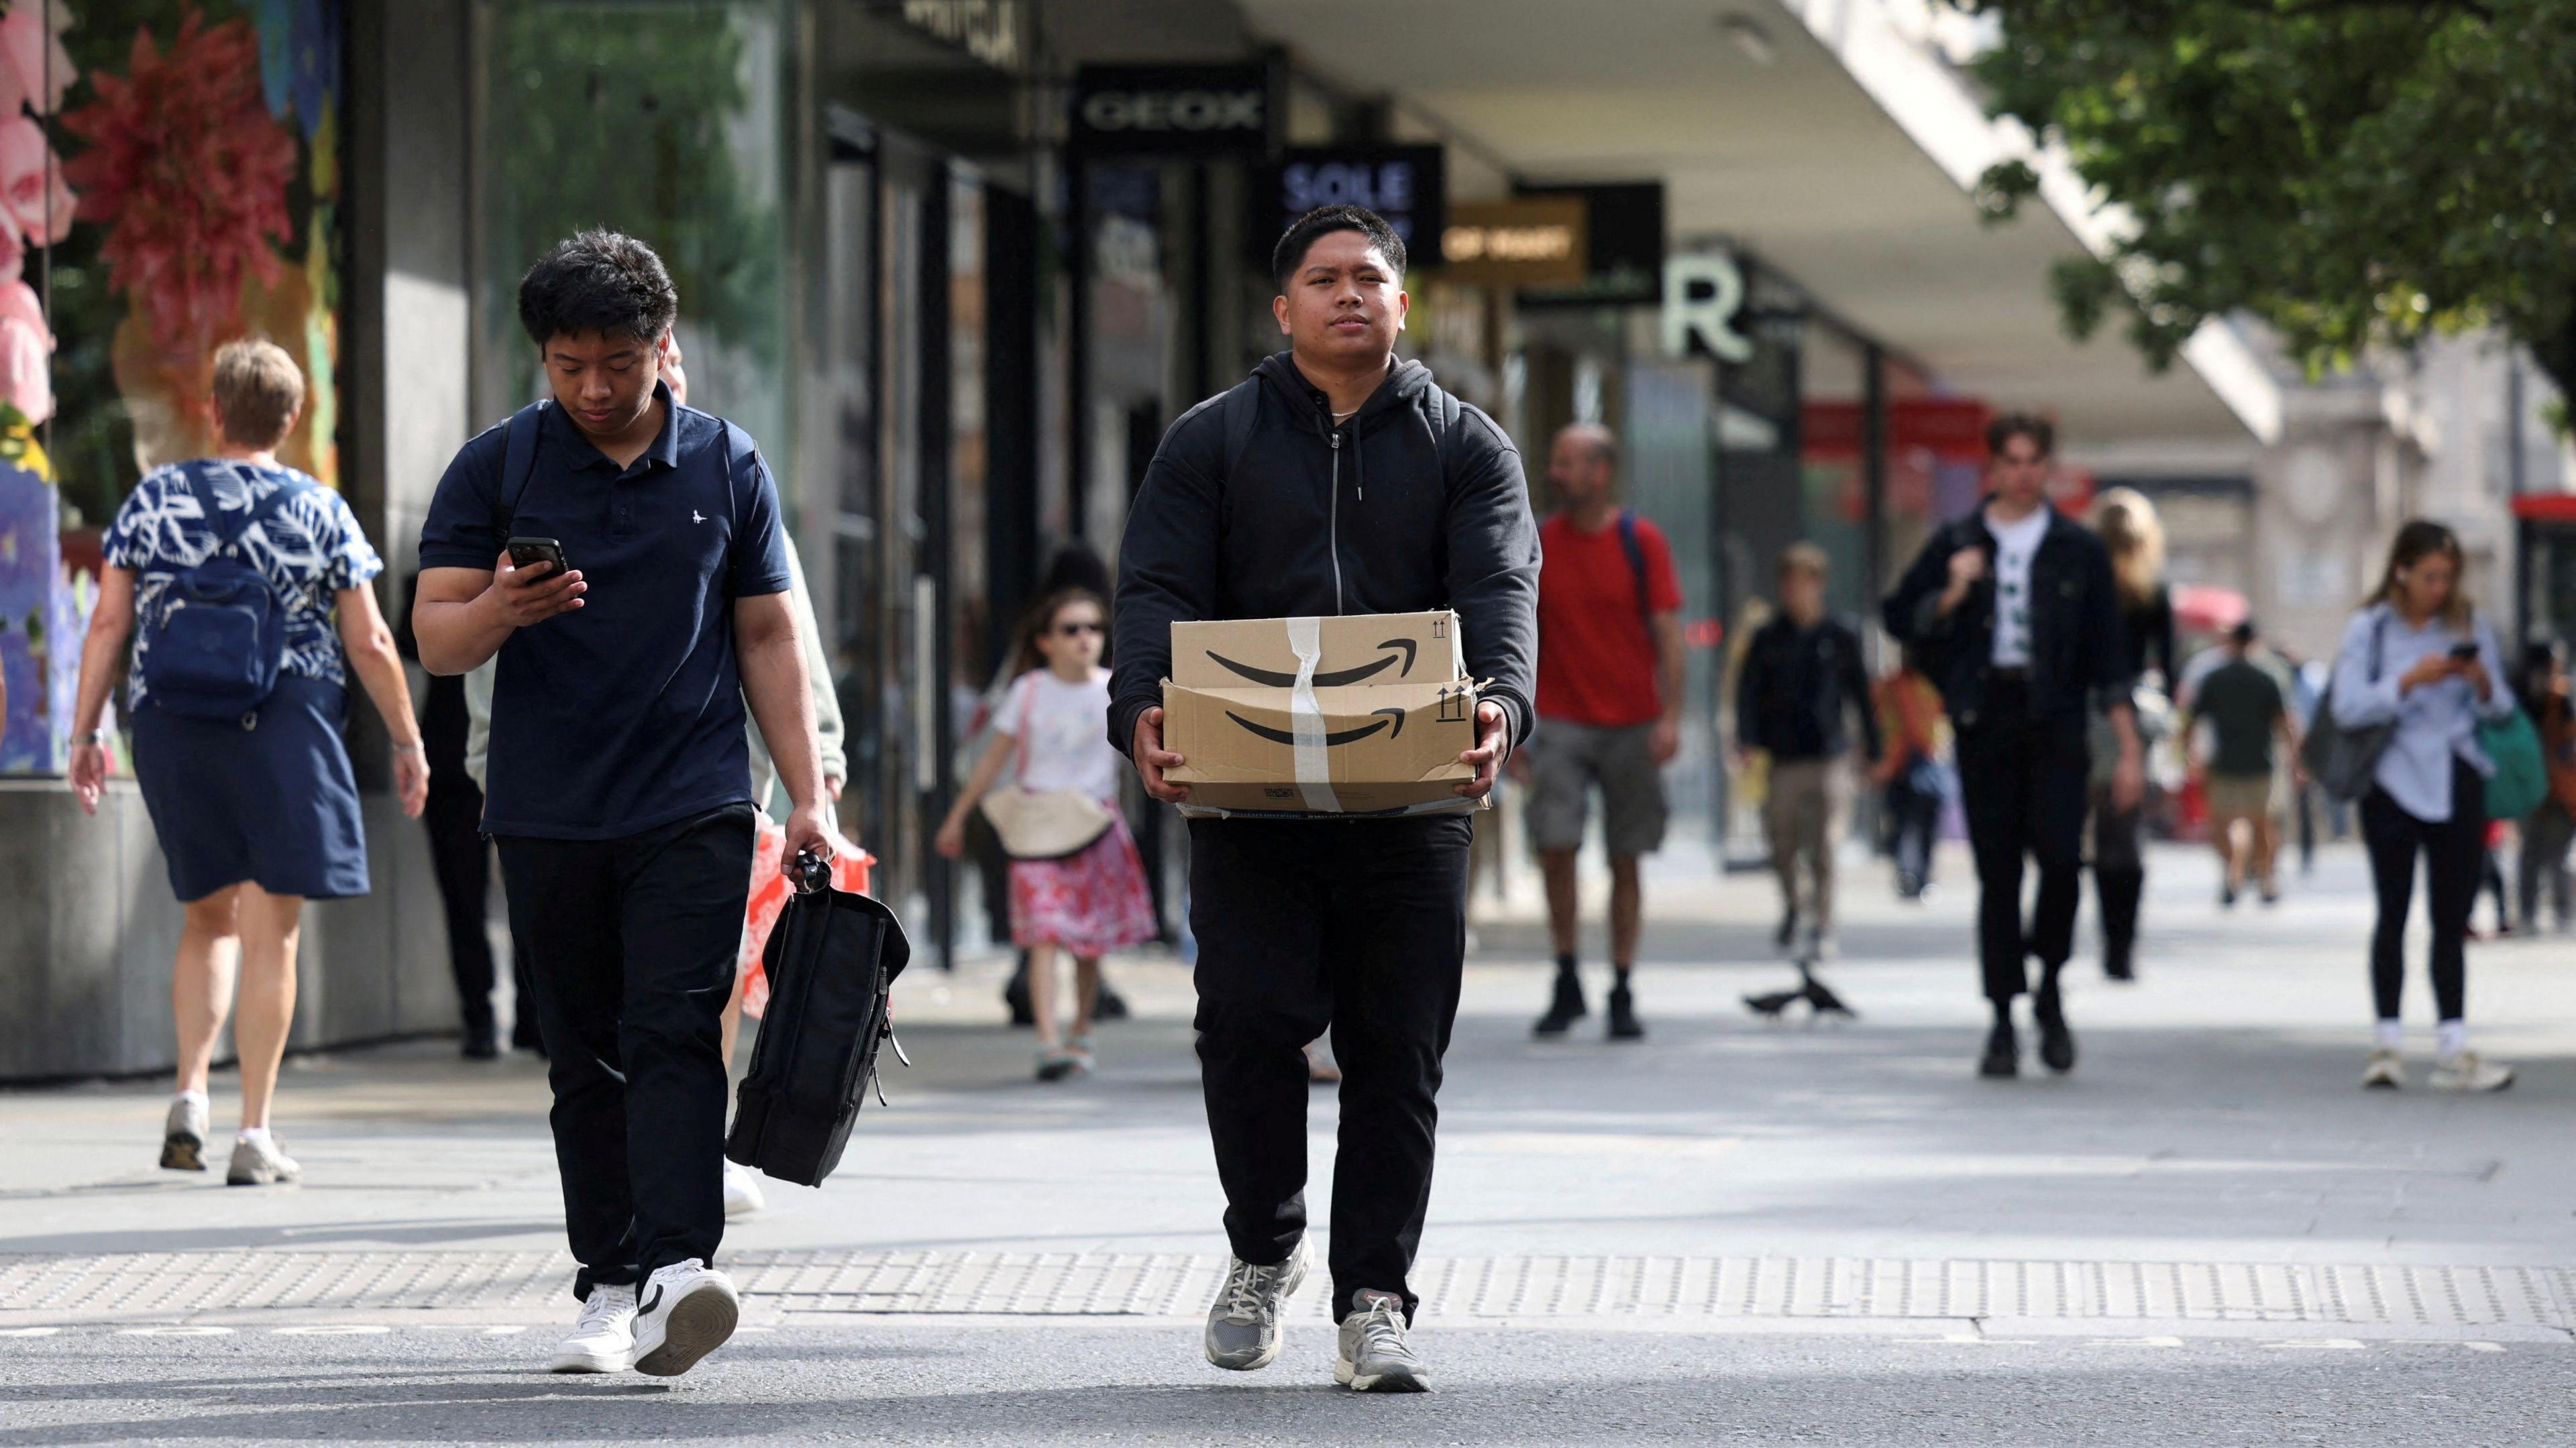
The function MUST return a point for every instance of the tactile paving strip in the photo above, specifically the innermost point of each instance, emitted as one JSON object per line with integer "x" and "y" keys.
{"x": 1181, "y": 1285}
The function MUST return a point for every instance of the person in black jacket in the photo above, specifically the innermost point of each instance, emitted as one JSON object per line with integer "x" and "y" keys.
{"x": 2014, "y": 609}
{"x": 1357, "y": 487}
{"x": 1802, "y": 680}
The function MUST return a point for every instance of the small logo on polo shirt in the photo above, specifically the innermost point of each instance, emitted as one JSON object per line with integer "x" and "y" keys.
{"x": 696, "y": 517}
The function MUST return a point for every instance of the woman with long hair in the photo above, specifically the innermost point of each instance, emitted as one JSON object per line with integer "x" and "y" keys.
{"x": 1055, "y": 721}
{"x": 2419, "y": 658}
{"x": 2135, "y": 539}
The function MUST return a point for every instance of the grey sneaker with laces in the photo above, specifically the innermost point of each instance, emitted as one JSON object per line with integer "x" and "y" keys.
{"x": 1374, "y": 1357}
{"x": 1243, "y": 1326}
{"x": 259, "y": 1163}
{"x": 183, "y": 1139}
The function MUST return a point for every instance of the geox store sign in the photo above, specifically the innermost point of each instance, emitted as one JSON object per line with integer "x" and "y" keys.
{"x": 1205, "y": 111}
{"x": 988, "y": 30}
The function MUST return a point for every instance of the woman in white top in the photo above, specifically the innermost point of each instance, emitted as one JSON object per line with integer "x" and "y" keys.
{"x": 2418, "y": 656}
{"x": 1056, "y": 721}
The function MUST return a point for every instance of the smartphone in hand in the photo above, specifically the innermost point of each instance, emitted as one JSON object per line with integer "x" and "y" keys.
{"x": 2464, "y": 653}
{"x": 526, "y": 552}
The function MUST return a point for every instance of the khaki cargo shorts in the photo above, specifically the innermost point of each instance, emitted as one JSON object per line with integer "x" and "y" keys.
{"x": 1568, "y": 760}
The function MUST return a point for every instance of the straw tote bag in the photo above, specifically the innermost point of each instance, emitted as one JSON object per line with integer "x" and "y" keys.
{"x": 1042, "y": 824}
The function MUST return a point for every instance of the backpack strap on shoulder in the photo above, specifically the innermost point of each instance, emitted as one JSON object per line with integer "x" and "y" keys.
{"x": 1636, "y": 552}
{"x": 1241, "y": 411}
{"x": 518, "y": 464}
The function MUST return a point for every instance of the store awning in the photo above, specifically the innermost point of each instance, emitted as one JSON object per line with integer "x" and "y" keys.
{"x": 1828, "y": 136}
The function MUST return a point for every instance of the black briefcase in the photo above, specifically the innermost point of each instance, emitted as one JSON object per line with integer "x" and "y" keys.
{"x": 832, "y": 961}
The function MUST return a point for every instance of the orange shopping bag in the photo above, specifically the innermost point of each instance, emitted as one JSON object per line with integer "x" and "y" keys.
{"x": 770, "y": 888}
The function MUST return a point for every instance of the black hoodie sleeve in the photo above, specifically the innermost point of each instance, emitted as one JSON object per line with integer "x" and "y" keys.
{"x": 1166, "y": 564}
{"x": 1912, "y": 613}
{"x": 1493, "y": 568}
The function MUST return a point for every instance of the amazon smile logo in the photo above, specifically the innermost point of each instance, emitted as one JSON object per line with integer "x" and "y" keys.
{"x": 1391, "y": 720}
{"x": 1336, "y": 678}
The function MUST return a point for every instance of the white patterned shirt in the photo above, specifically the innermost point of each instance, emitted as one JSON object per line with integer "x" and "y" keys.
{"x": 309, "y": 548}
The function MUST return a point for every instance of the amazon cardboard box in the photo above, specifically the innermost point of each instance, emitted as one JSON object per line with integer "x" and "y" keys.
{"x": 1355, "y": 715}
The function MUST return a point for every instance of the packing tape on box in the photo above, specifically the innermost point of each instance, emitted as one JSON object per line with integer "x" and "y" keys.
{"x": 1306, "y": 717}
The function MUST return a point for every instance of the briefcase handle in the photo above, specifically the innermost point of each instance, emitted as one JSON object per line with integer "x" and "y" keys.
{"x": 810, "y": 873}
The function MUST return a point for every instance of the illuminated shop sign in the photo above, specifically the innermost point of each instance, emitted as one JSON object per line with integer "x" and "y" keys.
{"x": 1405, "y": 184}
{"x": 1534, "y": 242}
{"x": 989, "y": 30}
{"x": 1623, "y": 244}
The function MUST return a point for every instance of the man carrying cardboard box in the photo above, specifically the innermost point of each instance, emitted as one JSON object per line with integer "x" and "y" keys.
{"x": 1336, "y": 481}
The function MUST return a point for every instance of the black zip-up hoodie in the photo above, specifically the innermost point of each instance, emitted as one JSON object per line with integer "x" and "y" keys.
{"x": 1384, "y": 514}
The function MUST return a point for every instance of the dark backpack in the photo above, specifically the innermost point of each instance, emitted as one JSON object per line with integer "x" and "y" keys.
{"x": 518, "y": 466}
{"x": 214, "y": 648}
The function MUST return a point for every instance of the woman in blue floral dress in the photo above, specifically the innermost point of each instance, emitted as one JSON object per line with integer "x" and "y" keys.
{"x": 256, "y": 812}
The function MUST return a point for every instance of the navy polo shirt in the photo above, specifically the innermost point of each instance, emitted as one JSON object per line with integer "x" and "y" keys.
{"x": 626, "y": 713}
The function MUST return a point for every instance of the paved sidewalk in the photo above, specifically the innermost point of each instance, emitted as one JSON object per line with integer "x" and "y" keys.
{"x": 1731, "y": 1228}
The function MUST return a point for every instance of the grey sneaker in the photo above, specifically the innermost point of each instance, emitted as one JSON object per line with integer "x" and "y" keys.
{"x": 1373, "y": 1356}
{"x": 258, "y": 1163}
{"x": 183, "y": 1141}
{"x": 1243, "y": 1326}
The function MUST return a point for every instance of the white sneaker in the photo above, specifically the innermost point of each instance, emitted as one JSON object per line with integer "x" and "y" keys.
{"x": 2386, "y": 1071}
{"x": 685, "y": 1311}
{"x": 2468, "y": 1071}
{"x": 741, "y": 1193}
{"x": 261, "y": 1163}
{"x": 603, "y": 1341}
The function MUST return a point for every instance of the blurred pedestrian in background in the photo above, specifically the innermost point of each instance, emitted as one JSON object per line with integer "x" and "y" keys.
{"x": 1801, "y": 683}
{"x": 2135, "y": 538}
{"x": 242, "y": 584}
{"x": 2246, "y": 712}
{"x": 2421, "y": 662}
{"x": 1910, "y": 771}
{"x": 460, "y": 858}
{"x": 1053, "y": 728}
{"x": 1610, "y": 694}
{"x": 2548, "y": 830}
{"x": 2016, "y": 609}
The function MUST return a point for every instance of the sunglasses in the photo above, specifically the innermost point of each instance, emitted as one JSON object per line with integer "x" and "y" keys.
{"x": 1077, "y": 630}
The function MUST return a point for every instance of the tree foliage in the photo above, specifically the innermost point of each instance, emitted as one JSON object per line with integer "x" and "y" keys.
{"x": 2354, "y": 172}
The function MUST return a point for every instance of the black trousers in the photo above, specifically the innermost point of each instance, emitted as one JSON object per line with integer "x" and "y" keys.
{"x": 2454, "y": 851}
{"x": 1914, "y": 829}
{"x": 462, "y": 860}
{"x": 2022, "y": 783}
{"x": 1360, "y": 926}
{"x": 632, "y": 944}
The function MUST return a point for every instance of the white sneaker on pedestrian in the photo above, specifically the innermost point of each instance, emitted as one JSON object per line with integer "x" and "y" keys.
{"x": 183, "y": 1136}
{"x": 603, "y": 1341}
{"x": 260, "y": 1161}
{"x": 742, "y": 1194}
{"x": 2386, "y": 1071}
{"x": 1243, "y": 1327}
{"x": 1373, "y": 1356}
{"x": 2468, "y": 1071}
{"x": 685, "y": 1311}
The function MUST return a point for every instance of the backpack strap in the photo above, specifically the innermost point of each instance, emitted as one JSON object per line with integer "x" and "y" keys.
{"x": 518, "y": 464}
{"x": 1636, "y": 552}
{"x": 1241, "y": 410}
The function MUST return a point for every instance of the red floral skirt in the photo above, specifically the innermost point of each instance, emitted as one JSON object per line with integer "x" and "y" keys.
{"x": 1090, "y": 903}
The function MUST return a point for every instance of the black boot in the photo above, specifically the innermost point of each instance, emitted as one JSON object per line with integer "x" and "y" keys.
{"x": 2119, "y": 891}
{"x": 2056, "y": 1040}
{"x": 1566, "y": 1008}
{"x": 2003, "y": 1048}
{"x": 1624, "y": 1025}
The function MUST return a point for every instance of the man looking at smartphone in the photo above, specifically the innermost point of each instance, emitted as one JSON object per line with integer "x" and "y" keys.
{"x": 619, "y": 783}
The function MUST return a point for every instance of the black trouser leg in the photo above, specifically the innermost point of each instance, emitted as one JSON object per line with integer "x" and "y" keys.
{"x": 2455, "y": 852}
{"x": 1360, "y": 926}
{"x": 461, "y": 860}
{"x": 2055, "y": 763}
{"x": 1394, "y": 951}
{"x": 1258, "y": 909}
{"x": 2391, "y": 835}
{"x": 563, "y": 904}
{"x": 2119, "y": 877}
{"x": 633, "y": 945}
{"x": 1993, "y": 789}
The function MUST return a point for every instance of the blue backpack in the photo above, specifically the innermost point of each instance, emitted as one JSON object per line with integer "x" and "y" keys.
{"x": 215, "y": 646}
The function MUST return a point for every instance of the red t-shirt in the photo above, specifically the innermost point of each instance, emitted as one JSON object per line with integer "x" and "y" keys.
{"x": 1596, "y": 652}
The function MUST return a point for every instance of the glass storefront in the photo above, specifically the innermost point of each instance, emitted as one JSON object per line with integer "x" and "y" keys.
{"x": 172, "y": 182}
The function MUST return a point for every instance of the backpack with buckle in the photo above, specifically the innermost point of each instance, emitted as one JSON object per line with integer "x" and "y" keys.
{"x": 214, "y": 648}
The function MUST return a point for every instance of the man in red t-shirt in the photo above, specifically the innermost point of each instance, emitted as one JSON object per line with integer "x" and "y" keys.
{"x": 1609, "y": 705}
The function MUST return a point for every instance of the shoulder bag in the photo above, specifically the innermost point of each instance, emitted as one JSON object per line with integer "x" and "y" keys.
{"x": 1042, "y": 824}
{"x": 2343, "y": 759}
